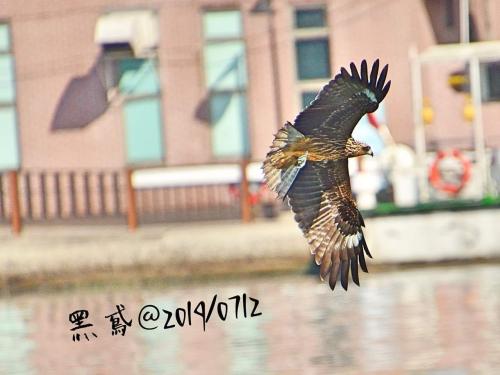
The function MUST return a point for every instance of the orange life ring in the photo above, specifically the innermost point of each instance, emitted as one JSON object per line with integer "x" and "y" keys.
{"x": 435, "y": 174}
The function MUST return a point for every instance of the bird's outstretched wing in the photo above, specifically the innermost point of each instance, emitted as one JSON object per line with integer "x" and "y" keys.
{"x": 322, "y": 201}
{"x": 343, "y": 101}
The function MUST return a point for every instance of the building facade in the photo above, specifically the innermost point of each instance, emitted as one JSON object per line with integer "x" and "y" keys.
{"x": 108, "y": 83}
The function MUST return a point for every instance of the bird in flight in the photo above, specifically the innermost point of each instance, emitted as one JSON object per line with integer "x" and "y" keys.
{"x": 308, "y": 164}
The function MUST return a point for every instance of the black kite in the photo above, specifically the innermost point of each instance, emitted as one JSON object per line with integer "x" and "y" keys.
{"x": 308, "y": 164}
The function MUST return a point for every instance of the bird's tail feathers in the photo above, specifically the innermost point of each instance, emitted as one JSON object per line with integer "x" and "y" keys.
{"x": 282, "y": 163}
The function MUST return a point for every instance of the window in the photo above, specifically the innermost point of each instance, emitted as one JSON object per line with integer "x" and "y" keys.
{"x": 491, "y": 81}
{"x": 313, "y": 58}
{"x": 139, "y": 84}
{"x": 9, "y": 151}
{"x": 129, "y": 40}
{"x": 222, "y": 25}
{"x": 226, "y": 80}
{"x": 143, "y": 126}
{"x": 305, "y": 18}
{"x": 312, "y": 51}
{"x": 137, "y": 81}
{"x": 138, "y": 77}
{"x": 308, "y": 97}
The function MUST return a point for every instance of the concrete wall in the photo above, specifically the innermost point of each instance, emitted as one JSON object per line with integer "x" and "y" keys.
{"x": 448, "y": 236}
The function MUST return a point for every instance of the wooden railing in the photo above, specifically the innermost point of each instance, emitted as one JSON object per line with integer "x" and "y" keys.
{"x": 75, "y": 196}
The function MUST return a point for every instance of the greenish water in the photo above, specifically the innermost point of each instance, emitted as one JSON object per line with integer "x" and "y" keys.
{"x": 421, "y": 321}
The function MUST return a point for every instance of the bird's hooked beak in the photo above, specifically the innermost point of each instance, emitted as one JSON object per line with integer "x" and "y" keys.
{"x": 370, "y": 152}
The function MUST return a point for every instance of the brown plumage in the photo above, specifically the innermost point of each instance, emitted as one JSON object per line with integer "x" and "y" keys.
{"x": 308, "y": 164}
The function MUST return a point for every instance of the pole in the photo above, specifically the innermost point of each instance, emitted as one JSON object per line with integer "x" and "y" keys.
{"x": 275, "y": 68}
{"x": 15, "y": 217}
{"x": 131, "y": 205}
{"x": 246, "y": 207}
{"x": 420, "y": 147}
{"x": 479, "y": 146}
{"x": 464, "y": 21}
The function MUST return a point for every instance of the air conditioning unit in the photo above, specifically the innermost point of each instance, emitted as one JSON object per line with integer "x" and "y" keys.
{"x": 136, "y": 30}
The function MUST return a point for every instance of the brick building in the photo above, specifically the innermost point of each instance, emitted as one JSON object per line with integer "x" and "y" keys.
{"x": 108, "y": 83}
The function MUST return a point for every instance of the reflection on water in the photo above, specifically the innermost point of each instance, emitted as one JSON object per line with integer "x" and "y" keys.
{"x": 438, "y": 320}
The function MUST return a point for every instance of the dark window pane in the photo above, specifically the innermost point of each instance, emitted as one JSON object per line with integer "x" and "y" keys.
{"x": 310, "y": 18}
{"x": 308, "y": 97}
{"x": 493, "y": 81}
{"x": 313, "y": 58}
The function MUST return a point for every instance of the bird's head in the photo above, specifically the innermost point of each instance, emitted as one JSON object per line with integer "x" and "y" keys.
{"x": 355, "y": 148}
{"x": 367, "y": 150}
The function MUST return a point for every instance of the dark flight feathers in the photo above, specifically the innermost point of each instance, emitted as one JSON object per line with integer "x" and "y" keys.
{"x": 327, "y": 214}
{"x": 343, "y": 101}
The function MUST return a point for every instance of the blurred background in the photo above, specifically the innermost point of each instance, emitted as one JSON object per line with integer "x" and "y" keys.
{"x": 131, "y": 138}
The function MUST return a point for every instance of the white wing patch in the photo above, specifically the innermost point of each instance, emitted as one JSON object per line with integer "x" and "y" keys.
{"x": 370, "y": 95}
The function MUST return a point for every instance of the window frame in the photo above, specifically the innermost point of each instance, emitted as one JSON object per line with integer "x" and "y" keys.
{"x": 10, "y": 53}
{"x": 112, "y": 75}
{"x": 312, "y": 93}
{"x": 486, "y": 95}
{"x": 304, "y": 86}
{"x": 144, "y": 163}
{"x": 13, "y": 105}
{"x": 302, "y": 42}
{"x": 129, "y": 98}
{"x": 241, "y": 90}
{"x": 309, "y": 8}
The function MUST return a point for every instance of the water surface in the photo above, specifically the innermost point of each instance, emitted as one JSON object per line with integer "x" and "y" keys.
{"x": 422, "y": 321}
